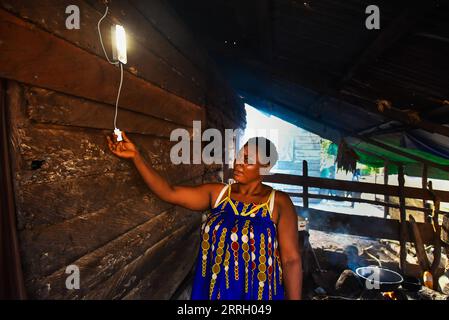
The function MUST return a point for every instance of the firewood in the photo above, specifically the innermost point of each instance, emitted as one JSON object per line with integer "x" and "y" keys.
{"x": 429, "y": 294}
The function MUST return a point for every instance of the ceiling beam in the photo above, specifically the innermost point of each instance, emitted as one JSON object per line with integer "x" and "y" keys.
{"x": 387, "y": 37}
{"x": 407, "y": 118}
{"x": 264, "y": 13}
{"x": 345, "y": 132}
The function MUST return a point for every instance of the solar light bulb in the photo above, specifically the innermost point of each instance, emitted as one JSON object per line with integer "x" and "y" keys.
{"x": 119, "y": 43}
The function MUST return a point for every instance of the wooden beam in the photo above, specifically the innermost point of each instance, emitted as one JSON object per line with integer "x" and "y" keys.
{"x": 150, "y": 57}
{"x": 346, "y": 132}
{"x": 403, "y": 153}
{"x": 313, "y": 182}
{"x": 55, "y": 64}
{"x": 388, "y": 147}
{"x": 403, "y": 219}
{"x": 387, "y": 37}
{"x": 358, "y": 200}
{"x": 305, "y": 188}
{"x": 437, "y": 232}
{"x": 405, "y": 118}
{"x": 423, "y": 260}
{"x": 386, "y": 197}
{"x": 424, "y": 179}
{"x": 362, "y": 226}
{"x": 49, "y": 107}
{"x": 264, "y": 11}
{"x": 11, "y": 276}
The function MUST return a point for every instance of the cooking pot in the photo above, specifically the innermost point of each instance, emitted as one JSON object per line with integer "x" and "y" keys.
{"x": 378, "y": 278}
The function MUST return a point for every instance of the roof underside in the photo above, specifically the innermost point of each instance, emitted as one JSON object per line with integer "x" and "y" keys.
{"x": 315, "y": 64}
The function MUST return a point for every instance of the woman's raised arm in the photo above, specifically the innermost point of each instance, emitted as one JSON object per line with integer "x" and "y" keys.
{"x": 191, "y": 197}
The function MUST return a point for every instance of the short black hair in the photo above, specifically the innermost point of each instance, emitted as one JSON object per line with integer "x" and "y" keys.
{"x": 266, "y": 148}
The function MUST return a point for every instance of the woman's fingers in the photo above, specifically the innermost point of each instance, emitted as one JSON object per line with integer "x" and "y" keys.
{"x": 125, "y": 137}
{"x": 112, "y": 146}
{"x": 118, "y": 148}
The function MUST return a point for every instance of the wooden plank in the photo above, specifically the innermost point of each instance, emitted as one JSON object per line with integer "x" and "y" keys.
{"x": 77, "y": 72}
{"x": 11, "y": 276}
{"x": 406, "y": 119}
{"x": 45, "y": 106}
{"x": 386, "y": 197}
{"x": 265, "y": 28}
{"x": 423, "y": 260}
{"x": 117, "y": 285}
{"x": 358, "y": 200}
{"x": 424, "y": 179}
{"x": 357, "y": 225}
{"x": 305, "y": 188}
{"x": 142, "y": 31}
{"x": 142, "y": 62}
{"x": 157, "y": 285}
{"x": 65, "y": 156}
{"x": 387, "y": 37}
{"x": 69, "y": 153}
{"x": 333, "y": 184}
{"x": 48, "y": 249}
{"x": 429, "y": 294}
{"x": 437, "y": 232}
{"x": 84, "y": 195}
{"x": 99, "y": 265}
{"x": 167, "y": 23}
{"x": 402, "y": 220}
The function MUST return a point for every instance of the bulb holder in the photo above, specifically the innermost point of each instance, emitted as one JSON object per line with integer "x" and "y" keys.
{"x": 118, "y": 133}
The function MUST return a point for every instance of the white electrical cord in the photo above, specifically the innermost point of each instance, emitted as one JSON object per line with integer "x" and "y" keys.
{"x": 101, "y": 39}
{"x": 118, "y": 95}
{"x": 114, "y": 63}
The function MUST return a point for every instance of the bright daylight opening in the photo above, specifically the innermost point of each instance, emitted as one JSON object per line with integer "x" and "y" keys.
{"x": 295, "y": 144}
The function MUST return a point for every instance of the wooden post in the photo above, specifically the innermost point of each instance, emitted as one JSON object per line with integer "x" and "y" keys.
{"x": 419, "y": 246}
{"x": 403, "y": 225}
{"x": 305, "y": 187}
{"x": 11, "y": 276}
{"x": 437, "y": 229}
{"x": 386, "y": 197}
{"x": 427, "y": 217}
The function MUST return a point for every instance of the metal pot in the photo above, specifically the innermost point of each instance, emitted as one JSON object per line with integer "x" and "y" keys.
{"x": 411, "y": 284}
{"x": 377, "y": 278}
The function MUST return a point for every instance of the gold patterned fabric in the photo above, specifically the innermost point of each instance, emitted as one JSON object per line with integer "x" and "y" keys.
{"x": 239, "y": 255}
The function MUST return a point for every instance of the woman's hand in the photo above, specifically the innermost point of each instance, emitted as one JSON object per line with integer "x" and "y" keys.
{"x": 124, "y": 149}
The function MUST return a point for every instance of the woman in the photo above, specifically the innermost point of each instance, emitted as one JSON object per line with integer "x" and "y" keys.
{"x": 249, "y": 241}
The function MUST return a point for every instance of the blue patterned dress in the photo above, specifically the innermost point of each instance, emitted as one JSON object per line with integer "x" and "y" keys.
{"x": 239, "y": 254}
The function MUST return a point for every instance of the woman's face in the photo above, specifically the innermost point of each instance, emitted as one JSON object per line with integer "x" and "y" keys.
{"x": 247, "y": 166}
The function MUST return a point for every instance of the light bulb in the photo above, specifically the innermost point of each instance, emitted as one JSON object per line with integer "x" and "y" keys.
{"x": 119, "y": 43}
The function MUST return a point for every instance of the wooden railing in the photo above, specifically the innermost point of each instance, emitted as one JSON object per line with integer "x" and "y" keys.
{"x": 359, "y": 225}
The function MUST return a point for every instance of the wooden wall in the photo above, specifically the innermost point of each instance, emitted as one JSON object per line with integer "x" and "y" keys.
{"x": 76, "y": 202}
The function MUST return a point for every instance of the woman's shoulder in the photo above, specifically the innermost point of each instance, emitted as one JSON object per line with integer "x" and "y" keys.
{"x": 282, "y": 198}
{"x": 216, "y": 186}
